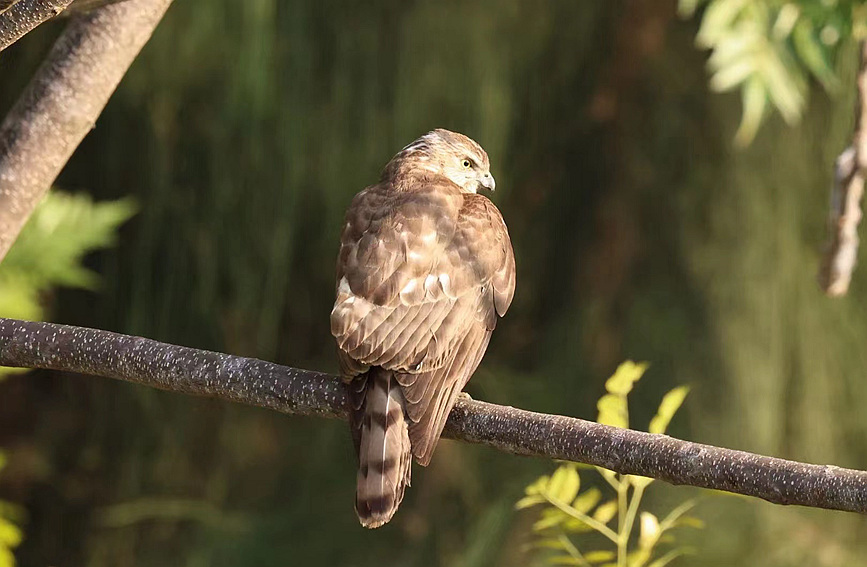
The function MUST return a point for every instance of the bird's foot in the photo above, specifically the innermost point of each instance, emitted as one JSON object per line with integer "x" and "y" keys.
{"x": 463, "y": 396}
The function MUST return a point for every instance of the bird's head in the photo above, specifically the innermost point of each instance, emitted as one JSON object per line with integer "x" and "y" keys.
{"x": 453, "y": 155}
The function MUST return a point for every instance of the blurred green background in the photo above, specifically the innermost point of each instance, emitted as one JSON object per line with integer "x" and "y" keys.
{"x": 243, "y": 131}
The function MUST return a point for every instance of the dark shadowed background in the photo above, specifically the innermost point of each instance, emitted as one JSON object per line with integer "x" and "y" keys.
{"x": 243, "y": 131}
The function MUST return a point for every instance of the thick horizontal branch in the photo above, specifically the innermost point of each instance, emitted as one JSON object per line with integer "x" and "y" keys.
{"x": 63, "y": 100}
{"x": 292, "y": 391}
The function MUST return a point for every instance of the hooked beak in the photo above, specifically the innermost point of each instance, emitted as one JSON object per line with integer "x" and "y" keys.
{"x": 487, "y": 181}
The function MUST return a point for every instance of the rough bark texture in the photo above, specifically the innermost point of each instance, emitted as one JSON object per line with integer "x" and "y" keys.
{"x": 293, "y": 391}
{"x": 20, "y": 17}
{"x": 850, "y": 168}
{"x": 62, "y": 102}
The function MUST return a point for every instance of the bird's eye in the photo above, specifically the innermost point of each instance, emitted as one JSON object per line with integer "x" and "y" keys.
{"x": 466, "y": 163}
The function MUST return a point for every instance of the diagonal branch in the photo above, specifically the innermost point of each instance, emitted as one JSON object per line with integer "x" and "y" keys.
{"x": 841, "y": 252}
{"x": 20, "y": 16}
{"x": 62, "y": 102}
{"x": 303, "y": 392}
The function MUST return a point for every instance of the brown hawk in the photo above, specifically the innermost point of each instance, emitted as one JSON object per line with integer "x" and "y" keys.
{"x": 425, "y": 268}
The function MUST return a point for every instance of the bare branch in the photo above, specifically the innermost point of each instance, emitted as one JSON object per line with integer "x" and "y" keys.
{"x": 292, "y": 391}
{"x": 62, "y": 102}
{"x": 841, "y": 253}
{"x": 19, "y": 17}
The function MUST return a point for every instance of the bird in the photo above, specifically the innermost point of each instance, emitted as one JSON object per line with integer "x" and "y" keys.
{"x": 425, "y": 270}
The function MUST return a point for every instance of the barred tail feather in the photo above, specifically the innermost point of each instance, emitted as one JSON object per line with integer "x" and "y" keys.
{"x": 384, "y": 452}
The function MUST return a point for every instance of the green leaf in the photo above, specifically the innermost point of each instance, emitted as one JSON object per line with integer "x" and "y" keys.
{"x": 606, "y": 511}
{"x": 671, "y": 402}
{"x": 609, "y": 475}
{"x": 564, "y": 484}
{"x": 587, "y": 500}
{"x": 650, "y": 531}
{"x": 690, "y": 522}
{"x": 550, "y": 543}
{"x": 564, "y": 560}
{"x": 599, "y": 556}
{"x": 613, "y": 411}
{"x": 733, "y": 74}
{"x": 61, "y": 230}
{"x": 717, "y": 20}
{"x": 6, "y": 558}
{"x": 667, "y": 558}
{"x": 10, "y": 534}
{"x": 638, "y": 558}
{"x": 755, "y": 100}
{"x": 812, "y": 54}
{"x": 639, "y": 481}
{"x": 528, "y": 501}
{"x": 673, "y": 516}
{"x": 550, "y": 517}
{"x": 626, "y": 375}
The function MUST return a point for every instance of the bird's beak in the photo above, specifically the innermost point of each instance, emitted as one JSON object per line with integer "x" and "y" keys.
{"x": 487, "y": 181}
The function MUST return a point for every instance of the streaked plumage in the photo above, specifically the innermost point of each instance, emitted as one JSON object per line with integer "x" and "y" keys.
{"x": 425, "y": 267}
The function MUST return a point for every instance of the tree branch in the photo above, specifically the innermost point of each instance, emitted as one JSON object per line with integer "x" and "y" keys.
{"x": 21, "y": 16}
{"x": 841, "y": 252}
{"x": 302, "y": 392}
{"x": 62, "y": 102}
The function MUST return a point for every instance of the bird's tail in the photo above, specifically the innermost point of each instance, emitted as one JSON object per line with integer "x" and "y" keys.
{"x": 384, "y": 451}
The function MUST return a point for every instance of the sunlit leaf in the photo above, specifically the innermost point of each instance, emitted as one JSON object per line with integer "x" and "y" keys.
{"x": 667, "y": 558}
{"x": 813, "y": 55}
{"x": 564, "y": 484}
{"x": 606, "y": 511}
{"x": 717, "y": 20}
{"x": 550, "y": 543}
{"x": 690, "y": 522}
{"x": 755, "y": 101}
{"x": 786, "y": 19}
{"x": 61, "y": 230}
{"x": 649, "y": 530}
{"x": 599, "y": 556}
{"x": 10, "y": 534}
{"x": 626, "y": 375}
{"x": 563, "y": 560}
{"x": 732, "y": 75}
{"x": 609, "y": 475}
{"x": 671, "y": 402}
{"x": 6, "y": 558}
{"x": 677, "y": 513}
{"x": 528, "y": 501}
{"x": 638, "y": 558}
{"x": 550, "y": 517}
{"x": 613, "y": 411}
{"x": 686, "y": 8}
{"x": 639, "y": 481}
{"x": 587, "y": 500}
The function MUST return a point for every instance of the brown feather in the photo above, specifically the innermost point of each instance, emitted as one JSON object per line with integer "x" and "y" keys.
{"x": 424, "y": 270}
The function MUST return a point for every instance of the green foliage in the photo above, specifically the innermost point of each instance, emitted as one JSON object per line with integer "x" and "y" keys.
{"x": 568, "y": 512}
{"x": 49, "y": 250}
{"x": 769, "y": 49}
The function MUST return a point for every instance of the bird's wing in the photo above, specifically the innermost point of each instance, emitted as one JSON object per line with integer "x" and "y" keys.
{"x": 421, "y": 277}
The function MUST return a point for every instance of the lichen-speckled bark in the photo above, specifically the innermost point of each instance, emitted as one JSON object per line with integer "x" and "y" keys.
{"x": 62, "y": 102}
{"x": 521, "y": 432}
{"x": 24, "y": 15}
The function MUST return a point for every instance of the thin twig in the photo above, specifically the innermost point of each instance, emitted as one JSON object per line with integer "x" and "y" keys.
{"x": 62, "y": 102}
{"x": 292, "y": 391}
{"x": 841, "y": 253}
